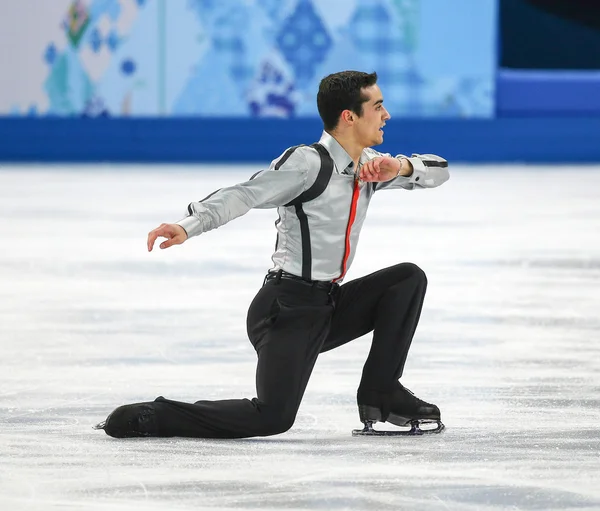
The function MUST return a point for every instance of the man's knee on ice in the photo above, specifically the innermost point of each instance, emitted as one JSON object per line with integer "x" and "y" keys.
{"x": 278, "y": 419}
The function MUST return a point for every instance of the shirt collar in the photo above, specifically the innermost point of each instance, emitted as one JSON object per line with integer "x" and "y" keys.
{"x": 340, "y": 157}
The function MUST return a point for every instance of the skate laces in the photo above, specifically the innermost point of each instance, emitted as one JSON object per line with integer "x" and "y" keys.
{"x": 419, "y": 401}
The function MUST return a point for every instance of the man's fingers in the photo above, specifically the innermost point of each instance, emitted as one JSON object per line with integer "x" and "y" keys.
{"x": 151, "y": 239}
{"x": 365, "y": 171}
{"x": 366, "y": 174}
{"x": 370, "y": 170}
{"x": 161, "y": 230}
{"x": 376, "y": 170}
{"x": 175, "y": 240}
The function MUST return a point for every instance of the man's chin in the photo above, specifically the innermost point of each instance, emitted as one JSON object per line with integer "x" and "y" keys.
{"x": 376, "y": 140}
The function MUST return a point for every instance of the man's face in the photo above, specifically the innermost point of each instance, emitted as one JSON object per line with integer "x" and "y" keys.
{"x": 368, "y": 127}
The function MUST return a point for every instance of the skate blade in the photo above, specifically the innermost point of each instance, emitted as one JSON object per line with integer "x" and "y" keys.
{"x": 415, "y": 429}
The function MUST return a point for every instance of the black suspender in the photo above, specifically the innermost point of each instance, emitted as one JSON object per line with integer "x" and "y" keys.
{"x": 317, "y": 188}
{"x": 285, "y": 157}
{"x": 325, "y": 172}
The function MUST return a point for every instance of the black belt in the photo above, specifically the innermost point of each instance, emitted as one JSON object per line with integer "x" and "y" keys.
{"x": 284, "y": 275}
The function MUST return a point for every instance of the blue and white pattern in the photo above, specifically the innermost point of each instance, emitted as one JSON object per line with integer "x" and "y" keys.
{"x": 256, "y": 58}
{"x": 303, "y": 41}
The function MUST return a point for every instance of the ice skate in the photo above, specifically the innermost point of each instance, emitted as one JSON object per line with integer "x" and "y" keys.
{"x": 135, "y": 420}
{"x": 401, "y": 408}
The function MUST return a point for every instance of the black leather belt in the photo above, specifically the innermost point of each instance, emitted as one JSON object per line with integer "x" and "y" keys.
{"x": 318, "y": 284}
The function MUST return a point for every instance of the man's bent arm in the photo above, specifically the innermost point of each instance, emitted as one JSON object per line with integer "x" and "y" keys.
{"x": 428, "y": 171}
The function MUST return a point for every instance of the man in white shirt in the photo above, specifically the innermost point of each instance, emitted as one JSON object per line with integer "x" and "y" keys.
{"x": 322, "y": 193}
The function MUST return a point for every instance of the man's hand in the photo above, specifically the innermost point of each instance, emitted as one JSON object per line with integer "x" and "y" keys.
{"x": 174, "y": 233}
{"x": 384, "y": 168}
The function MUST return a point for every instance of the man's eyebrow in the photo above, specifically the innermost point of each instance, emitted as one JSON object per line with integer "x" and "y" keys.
{"x": 378, "y": 102}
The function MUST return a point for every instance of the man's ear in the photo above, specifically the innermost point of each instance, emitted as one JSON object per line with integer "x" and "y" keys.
{"x": 347, "y": 116}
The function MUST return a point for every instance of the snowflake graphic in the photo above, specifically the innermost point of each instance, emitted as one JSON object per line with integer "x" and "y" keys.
{"x": 304, "y": 41}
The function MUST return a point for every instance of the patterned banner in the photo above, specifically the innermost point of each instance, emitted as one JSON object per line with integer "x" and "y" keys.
{"x": 245, "y": 58}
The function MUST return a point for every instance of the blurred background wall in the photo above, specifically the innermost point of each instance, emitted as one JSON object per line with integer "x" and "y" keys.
{"x": 236, "y": 80}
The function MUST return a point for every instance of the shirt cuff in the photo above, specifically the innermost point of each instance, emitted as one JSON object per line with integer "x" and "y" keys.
{"x": 192, "y": 225}
{"x": 419, "y": 171}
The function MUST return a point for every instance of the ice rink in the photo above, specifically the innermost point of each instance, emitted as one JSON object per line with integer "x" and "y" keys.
{"x": 508, "y": 346}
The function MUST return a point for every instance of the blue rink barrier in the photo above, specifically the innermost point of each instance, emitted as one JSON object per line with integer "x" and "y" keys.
{"x": 196, "y": 140}
{"x": 523, "y": 93}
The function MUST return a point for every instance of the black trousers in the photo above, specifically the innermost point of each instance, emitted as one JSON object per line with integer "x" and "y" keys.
{"x": 289, "y": 323}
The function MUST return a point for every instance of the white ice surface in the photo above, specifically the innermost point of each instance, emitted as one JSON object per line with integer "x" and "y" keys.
{"x": 508, "y": 347}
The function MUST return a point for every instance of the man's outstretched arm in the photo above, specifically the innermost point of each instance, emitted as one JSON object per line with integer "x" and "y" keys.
{"x": 267, "y": 189}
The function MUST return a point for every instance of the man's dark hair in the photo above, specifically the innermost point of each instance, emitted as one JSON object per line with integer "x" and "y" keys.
{"x": 342, "y": 91}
